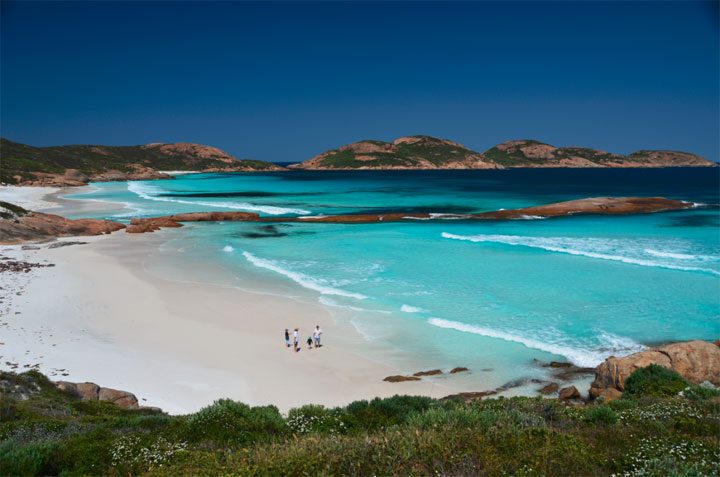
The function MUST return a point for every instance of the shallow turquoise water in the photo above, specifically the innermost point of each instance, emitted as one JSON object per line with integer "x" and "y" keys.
{"x": 491, "y": 294}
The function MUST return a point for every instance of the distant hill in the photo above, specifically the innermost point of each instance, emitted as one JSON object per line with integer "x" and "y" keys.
{"x": 77, "y": 164}
{"x": 412, "y": 152}
{"x": 426, "y": 152}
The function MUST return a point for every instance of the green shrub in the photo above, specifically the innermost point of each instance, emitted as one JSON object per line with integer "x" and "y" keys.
{"x": 654, "y": 380}
{"x": 460, "y": 417}
{"x": 382, "y": 413}
{"x": 312, "y": 418}
{"x": 17, "y": 458}
{"x": 601, "y": 415}
{"x": 230, "y": 421}
{"x": 700, "y": 393}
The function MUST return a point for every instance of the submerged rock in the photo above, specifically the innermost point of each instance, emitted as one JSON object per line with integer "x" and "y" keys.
{"x": 399, "y": 378}
{"x": 549, "y": 388}
{"x": 570, "y": 392}
{"x": 459, "y": 369}
{"x": 432, "y": 372}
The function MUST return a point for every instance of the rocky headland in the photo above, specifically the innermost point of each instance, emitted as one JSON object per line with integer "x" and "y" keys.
{"x": 76, "y": 165}
{"x": 427, "y": 152}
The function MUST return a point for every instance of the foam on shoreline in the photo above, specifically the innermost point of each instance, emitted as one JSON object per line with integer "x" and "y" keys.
{"x": 151, "y": 192}
{"x": 617, "y": 346}
{"x": 300, "y": 278}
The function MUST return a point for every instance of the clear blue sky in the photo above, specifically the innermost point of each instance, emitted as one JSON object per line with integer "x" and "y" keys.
{"x": 285, "y": 81}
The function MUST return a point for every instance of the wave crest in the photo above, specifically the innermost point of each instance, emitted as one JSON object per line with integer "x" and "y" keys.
{"x": 301, "y": 279}
{"x": 612, "y": 345}
{"x": 597, "y": 248}
{"x": 151, "y": 192}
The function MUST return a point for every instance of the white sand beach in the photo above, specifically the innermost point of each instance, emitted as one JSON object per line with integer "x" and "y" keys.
{"x": 97, "y": 315}
{"x": 31, "y": 198}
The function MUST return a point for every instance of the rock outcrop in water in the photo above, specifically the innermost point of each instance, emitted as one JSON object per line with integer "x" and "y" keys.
{"x": 152, "y": 224}
{"x": 696, "y": 361}
{"x": 27, "y": 226}
{"x": 590, "y": 206}
{"x": 18, "y": 225}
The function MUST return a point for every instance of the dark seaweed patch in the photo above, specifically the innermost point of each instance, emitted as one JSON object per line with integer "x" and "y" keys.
{"x": 264, "y": 231}
{"x": 695, "y": 220}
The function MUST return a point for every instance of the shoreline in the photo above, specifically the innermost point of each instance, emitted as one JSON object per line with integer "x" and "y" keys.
{"x": 97, "y": 315}
{"x": 180, "y": 344}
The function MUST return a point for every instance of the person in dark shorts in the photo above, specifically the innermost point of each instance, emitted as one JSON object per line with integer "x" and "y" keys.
{"x": 309, "y": 342}
{"x": 287, "y": 338}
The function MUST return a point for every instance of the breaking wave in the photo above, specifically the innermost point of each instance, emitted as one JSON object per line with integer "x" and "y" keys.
{"x": 598, "y": 248}
{"x": 611, "y": 345}
{"x": 301, "y": 279}
{"x": 410, "y": 309}
{"x": 228, "y": 248}
{"x": 151, "y": 192}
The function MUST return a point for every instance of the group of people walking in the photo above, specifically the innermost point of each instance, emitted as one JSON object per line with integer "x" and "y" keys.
{"x": 314, "y": 339}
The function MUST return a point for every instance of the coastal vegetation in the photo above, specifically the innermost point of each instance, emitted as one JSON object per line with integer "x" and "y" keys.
{"x": 44, "y": 431}
{"x": 426, "y": 152}
{"x": 21, "y": 163}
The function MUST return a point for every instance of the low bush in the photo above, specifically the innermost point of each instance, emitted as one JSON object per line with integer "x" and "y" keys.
{"x": 382, "y": 413}
{"x": 17, "y": 458}
{"x": 601, "y": 415}
{"x": 227, "y": 421}
{"x": 315, "y": 419}
{"x": 654, "y": 380}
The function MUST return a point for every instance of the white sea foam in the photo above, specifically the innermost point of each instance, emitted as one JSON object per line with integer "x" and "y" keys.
{"x": 677, "y": 256}
{"x": 611, "y": 346}
{"x": 603, "y": 249}
{"x": 300, "y": 278}
{"x": 435, "y": 215}
{"x": 532, "y": 217}
{"x": 228, "y": 248}
{"x": 330, "y": 302}
{"x": 411, "y": 309}
{"x": 151, "y": 192}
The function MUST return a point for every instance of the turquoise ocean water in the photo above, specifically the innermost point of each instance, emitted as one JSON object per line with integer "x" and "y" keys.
{"x": 492, "y": 295}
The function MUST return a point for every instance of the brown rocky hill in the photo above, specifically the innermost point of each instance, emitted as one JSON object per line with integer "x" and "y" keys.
{"x": 79, "y": 164}
{"x": 412, "y": 152}
{"x": 425, "y": 152}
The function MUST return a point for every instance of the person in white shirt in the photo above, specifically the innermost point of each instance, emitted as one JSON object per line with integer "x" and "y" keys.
{"x": 316, "y": 334}
{"x": 296, "y": 339}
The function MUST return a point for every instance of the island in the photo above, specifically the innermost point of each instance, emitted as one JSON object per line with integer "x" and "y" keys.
{"x": 427, "y": 152}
